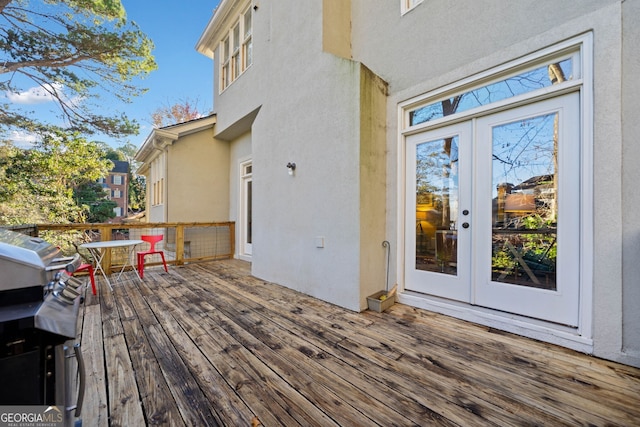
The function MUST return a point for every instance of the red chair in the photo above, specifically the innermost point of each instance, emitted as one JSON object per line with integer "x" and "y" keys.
{"x": 152, "y": 240}
{"x": 89, "y": 268}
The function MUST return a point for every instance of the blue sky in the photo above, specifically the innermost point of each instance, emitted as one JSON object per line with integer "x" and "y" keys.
{"x": 182, "y": 74}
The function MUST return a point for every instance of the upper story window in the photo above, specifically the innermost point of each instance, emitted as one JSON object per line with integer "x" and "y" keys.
{"x": 407, "y": 5}
{"x": 236, "y": 49}
{"x": 117, "y": 179}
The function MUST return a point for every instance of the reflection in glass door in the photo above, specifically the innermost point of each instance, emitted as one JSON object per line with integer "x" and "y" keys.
{"x": 437, "y": 235}
{"x": 525, "y": 214}
{"x": 437, "y": 205}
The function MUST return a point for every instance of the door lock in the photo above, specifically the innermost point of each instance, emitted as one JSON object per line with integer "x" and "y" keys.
{"x": 465, "y": 225}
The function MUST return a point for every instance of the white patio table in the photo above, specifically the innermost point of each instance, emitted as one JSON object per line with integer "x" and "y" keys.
{"x": 99, "y": 249}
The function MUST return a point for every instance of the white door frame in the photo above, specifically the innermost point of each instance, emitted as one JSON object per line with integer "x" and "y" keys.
{"x": 245, "y": 248}
{"x": 581, "y": 337}
{"x": 562, "y": 304}
{"x": 456, "y": 286}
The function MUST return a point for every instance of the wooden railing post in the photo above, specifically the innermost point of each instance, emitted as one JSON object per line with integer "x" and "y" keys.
{"x": 105, "y": 235}
{"x": 179, "y": 244}
{"x": 232, "y": 239}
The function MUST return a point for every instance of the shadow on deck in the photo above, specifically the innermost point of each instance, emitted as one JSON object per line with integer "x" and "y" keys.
{"x": 208, "y": 344}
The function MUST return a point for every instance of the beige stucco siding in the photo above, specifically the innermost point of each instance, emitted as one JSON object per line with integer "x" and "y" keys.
{"x": 198, "y": 179}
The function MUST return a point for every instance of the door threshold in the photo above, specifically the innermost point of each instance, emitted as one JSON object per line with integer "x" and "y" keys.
{"x": 564, "y": 336}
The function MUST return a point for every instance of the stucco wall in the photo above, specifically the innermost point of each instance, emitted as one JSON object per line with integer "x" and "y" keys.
{"x": 311, "y": 112}
{"x": 630, "y": 179}
{"x": 312, "y": 116}
{"x": 240, "y": 151}
{"x": 198, "y": 179}
{"x": 457, "y": 42}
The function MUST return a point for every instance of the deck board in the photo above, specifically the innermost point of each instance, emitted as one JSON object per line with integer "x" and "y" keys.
{"x": 208, "y": 344}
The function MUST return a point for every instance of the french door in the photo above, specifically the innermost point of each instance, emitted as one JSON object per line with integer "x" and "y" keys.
{"x": 438, "y": 216}
{"x": 495, "y": 203}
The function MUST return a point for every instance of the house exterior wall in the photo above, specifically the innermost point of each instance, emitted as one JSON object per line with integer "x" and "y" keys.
{"x": 454, "y": 43}
{"x": 330, "y": 193}
{"x": 198, "y": 179}
{"x": 630, "y": 92}
{"x": 304, "y": 101}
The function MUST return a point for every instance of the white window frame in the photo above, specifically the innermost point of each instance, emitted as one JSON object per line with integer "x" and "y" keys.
{"x": 580, "y": 339}
{"x": 235, "y": 49}
{"x": 247, "y": 38}
{"x": 225, "y": 63}
{"x": 408, "y": 5}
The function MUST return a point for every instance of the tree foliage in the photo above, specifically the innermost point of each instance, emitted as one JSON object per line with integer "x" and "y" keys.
{"x": 94, "y": 201}
{"x": 36, "y": 184}
{"x": 75, "y": 51}
{"x": 137, "y": 192}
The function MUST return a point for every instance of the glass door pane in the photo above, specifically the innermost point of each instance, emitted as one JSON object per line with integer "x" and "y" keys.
{"x": 525, "y": 212}
{"x": 437, "y": 205}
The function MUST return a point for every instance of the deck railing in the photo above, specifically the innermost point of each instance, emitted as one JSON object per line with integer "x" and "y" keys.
{"x": 181, "y": 243}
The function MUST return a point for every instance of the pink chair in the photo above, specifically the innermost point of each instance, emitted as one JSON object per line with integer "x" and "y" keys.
{"x": 152, "y": 240}
{"x": 89, "y": 268}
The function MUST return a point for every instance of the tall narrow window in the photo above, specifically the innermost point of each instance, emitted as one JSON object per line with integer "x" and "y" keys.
{"x": 247, "y": 44}
{"x": 236, "y": 49}
{"x": 235, "y": 58}
{"x": 225, "y": 77}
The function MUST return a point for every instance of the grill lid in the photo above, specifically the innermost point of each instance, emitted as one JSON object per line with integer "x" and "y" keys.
{"x": 24, "y": 260}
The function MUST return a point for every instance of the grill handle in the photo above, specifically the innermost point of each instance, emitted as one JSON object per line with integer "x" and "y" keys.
{"x": 81, "y": 374}
{"x": 70, "y": 265}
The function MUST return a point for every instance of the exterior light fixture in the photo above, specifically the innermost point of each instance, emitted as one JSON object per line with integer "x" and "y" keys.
{"x": 292, "y": 167}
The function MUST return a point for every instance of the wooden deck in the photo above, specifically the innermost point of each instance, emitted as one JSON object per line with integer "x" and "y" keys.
{"x": 208, "y": 344}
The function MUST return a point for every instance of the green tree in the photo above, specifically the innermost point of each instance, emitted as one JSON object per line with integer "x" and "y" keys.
{"x": 94, "y": 201}
{"x": 36, "y": 184}
{"x": 75, "y": 51}
{"x": 137, "y": 193}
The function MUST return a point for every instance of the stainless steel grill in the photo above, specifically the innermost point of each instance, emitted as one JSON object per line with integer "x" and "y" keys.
{"x": 39, "y": 304}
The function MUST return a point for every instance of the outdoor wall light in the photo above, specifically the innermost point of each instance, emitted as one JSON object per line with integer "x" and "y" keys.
{"x": 292, "y": 167}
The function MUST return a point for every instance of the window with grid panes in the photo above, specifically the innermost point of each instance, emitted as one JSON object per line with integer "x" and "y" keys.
{"x": 236, "y": 49}
{"x": 225, "y": 75}
{"x": 247, "y": 45}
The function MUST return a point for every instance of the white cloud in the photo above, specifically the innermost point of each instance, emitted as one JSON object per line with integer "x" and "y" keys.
{"x": 34, "y": 95}
{"x": 22, "y": 139}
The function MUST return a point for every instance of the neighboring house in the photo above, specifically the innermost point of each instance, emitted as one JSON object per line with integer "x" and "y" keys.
{"x": 116, "y": 184}
{"x": 403, "y": 120}
{"x": 187, "y": 173}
